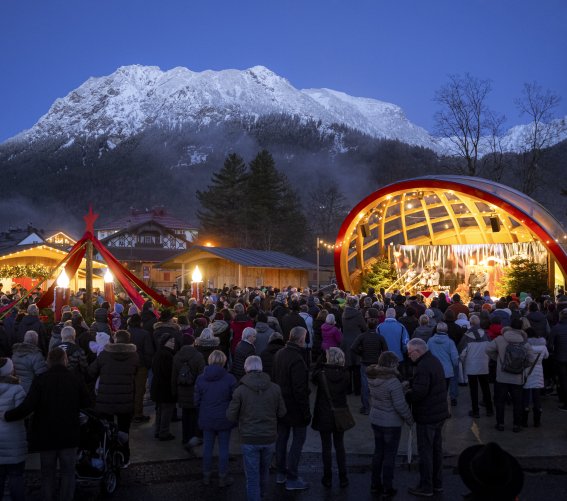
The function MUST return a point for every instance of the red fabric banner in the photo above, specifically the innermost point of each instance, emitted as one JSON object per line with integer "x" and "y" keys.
{"x": 75, "y": 256}
{"x": 123, "y": 275}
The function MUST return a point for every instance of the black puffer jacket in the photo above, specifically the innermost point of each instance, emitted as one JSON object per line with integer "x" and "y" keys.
{"x": 369, "y": 346}
{"x": 101, "y": 321}
{"x": 166, "y": 329}
{"x": 291, "y": 374}
{"x": 55, "y": 398}
{"x": 428, "y": 394}
{"x": 353, "y": 325}
{"x": 144, "y": 345}
{"x": 243, "y": 350}
{"x": 116, "y": 366}
{"x": 338, "y": 380}
{"x": 186, "y": 393}
{"x": 268, "y": 355}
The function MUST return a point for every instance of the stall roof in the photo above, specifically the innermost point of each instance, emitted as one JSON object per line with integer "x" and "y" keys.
{"x": 246, "y": 257}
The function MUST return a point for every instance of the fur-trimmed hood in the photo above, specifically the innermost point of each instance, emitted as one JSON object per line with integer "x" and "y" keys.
{"x": 378, "y": 372}
{"x": 167, "y": 325}
{"x": 120, "y": 348}
{"x": 207, "y": 342}
{"x": 25, "y": 348}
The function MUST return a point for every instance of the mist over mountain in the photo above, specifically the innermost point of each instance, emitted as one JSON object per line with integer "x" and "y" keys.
{"x": 142, "y": 136}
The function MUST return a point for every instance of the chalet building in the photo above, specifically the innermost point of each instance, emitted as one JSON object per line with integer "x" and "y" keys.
{"x": 145, "y": 238}
{"x": 30, "y": 249}
{"x": 222, "y": 266}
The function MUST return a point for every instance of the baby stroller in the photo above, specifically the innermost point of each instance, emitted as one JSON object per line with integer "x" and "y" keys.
{"x": 100, "y": 455}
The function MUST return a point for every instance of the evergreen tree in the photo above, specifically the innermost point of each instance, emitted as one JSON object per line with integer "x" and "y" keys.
{"x": 223, "y": 202}
{"x": 381, "y": 273}
{"x": 273, "y": 214}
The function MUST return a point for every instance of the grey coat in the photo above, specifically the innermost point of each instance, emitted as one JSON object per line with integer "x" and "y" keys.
{"x": 13, "y": 444}
{"x": 28, "y": 363}
{"x": 388, "y": 406}
{"x": 496, "y": 350}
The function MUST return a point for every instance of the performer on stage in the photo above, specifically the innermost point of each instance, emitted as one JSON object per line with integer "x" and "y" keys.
{"x": 434, "y": 278}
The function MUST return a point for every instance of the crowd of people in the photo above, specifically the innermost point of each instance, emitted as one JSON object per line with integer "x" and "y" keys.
{"x": 249, "y": 359}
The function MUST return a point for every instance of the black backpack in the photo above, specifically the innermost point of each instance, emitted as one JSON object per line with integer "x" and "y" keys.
{"x": 185, "y": 376}
{"x": 515, "y": 358}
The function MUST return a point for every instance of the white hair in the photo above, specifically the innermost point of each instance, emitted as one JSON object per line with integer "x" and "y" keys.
{"x": 248, "y": 333}
{"x": 68, "y": 333}
{"x": 335, "y": 356}
{"x": 417, "y": 344}
{"x": 253, "y": 363}
{"x": 30, "y": 337}
{"x": 442, "y": 327}
{"x": 391, "y": 313}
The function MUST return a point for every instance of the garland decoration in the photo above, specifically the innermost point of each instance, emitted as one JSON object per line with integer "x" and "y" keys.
{"x": 25, "y": 271}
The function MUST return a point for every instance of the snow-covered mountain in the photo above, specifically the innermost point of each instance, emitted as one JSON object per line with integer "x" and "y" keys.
{"x": 136, "y": 97}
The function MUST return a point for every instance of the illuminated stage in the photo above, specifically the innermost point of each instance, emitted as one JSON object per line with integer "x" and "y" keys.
{"x": 453, "y": 229}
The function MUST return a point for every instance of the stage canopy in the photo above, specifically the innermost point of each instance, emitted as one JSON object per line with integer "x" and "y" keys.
{"x": 443, "y": 211}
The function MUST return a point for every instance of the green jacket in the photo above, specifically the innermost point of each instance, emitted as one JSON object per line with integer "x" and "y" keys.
{"x": 256, "y": 405}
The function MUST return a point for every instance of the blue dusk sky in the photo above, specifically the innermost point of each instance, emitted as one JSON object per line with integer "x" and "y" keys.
{"x": 399, "y": 51}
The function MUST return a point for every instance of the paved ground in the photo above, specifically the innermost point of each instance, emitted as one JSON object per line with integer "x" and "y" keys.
{"x": 164, "y": 471}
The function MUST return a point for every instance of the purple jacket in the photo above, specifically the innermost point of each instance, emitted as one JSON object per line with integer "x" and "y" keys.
{"x": 331, "y": 335}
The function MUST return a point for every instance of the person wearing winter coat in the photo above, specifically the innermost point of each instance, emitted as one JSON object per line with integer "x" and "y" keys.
{"x": 558, "y": 346}
{"x": 506, "y": 382}
{"x": 293, "y": 319}
{"x": 28, "y": 360}
{"x": 388, "y": 411}
{"x": 424, "y": 330}
{"x": 31, "y": 322}
{"x": 206, "y": 343}
{"x": 444, "y": 349}
{"x": 275, "y": 344}
{"x": 213, "y": 394}
{"x": 116, "y": 368}
{"x": 243, "y": 350}
{"x": 263, "y": 333}
{"x": 13, "y": 444}
{"x": 188, "y": 357}
{"x": 428, "y": 398}
{"x": 308, "y": 319}
{"x": 331, "y": 336}
{"x": 475, "y": 365}
{"x": 76, "y": 358}
{"x": 534, "y": 378}
{"x": 291, "y": 373}
{"x": 240, "y": 322}
{"x": 56, "y": 331}
{"x": 55, "y": 399}
{"x": 221, "y": 330}
{"x": 256, "y": 406}
{"x": 145, "y": 350}
{"x": 538, "y": 321}
{"x": 331, "y": 379}
{"x": 148, "y": 317}
{"x": 318, "y": 323}
{"x": 100, "y": 323}
{"x": 166, "y": 327}
{"x": 353, "y": 325}
{"x": 368, "y": 346}
{"x": 161, "y": 390}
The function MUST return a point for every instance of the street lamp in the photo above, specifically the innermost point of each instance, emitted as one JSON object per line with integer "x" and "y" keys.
{"x": 318, "y": 244}
{"x": 61, "y": 294}
{"x": 196, "y": 279}
{"x": 109, "y": 288}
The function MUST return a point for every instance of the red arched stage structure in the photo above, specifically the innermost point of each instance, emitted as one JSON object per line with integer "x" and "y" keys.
{"x": 459, "y": 227}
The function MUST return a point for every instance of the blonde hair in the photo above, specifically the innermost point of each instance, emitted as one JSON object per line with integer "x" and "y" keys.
{"x": 217, "y": 357}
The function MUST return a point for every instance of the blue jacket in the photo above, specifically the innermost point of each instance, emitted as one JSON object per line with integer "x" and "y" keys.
{"x": 443, "y": 348}
{"x": 396, "y": 336}
{"x": 213, "y": 393}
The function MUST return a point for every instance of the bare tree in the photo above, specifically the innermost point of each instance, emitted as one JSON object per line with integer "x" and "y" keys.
{"x": 543, "y": 131}
{"x": 327, "y": 208}
{"x": 464, "y": 115}
{"x": 493, "y": 162}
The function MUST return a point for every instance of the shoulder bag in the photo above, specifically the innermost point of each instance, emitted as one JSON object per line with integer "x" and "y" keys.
{"x": 341, "y": 415}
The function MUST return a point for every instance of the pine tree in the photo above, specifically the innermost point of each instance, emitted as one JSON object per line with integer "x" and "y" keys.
{"x": 223, "y": 202}
{"x": 380, "y": 274}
